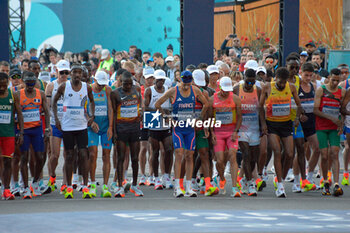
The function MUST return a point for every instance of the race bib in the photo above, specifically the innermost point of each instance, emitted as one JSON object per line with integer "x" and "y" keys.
{"x": 185, "y": 114}
{"x": 248, "y": 119}
{"x": 280, "y": 109}
{"x": 225, "y": 117}
{"x": 308, "y": 106}
{"x": 129, "y": 111}
{"x": 331, "y": 111}
{"x": 60, "y": 111}
{"x": 5, "y": 117}
{"x": 101, "y": 110}
{"x": 31, "y": 115}
{"x": 76, "y": 113}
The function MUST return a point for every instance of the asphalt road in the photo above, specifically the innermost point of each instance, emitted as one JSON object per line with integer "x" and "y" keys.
{"x": 159, "y": 211}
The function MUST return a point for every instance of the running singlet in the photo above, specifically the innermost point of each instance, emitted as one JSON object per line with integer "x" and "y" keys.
{"x": 293, "y": 113}
{"x": 346, "y": 84}
{"x": 307, "y": 103}
{"x": 249, "y": 108}
{"x": 166, "y": 105}
{"x": 101, "y": 109}
{"x": 31, "y": 109}
{"x": 278, "y": 104}
{"x": 225, "y": 111}
{"x": 59, "y": 104}
{"x": 128, "y": 111}
{"x": 198, "y": 108}
{"x": 184, "y": 107}
{"x": 330, "y": 105}
{"x": 74, "y": 108}
{"x": 6, "y": 115}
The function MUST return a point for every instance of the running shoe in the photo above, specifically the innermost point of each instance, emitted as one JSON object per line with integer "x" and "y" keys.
{"x": 7, "y": 195}
{"x": 280, "y": 192}
{"x": 202, "y": 189}
{"x": 27, "y": 194}
{"x": 105, "y": 192}
{"x": 275, "y": 180}
{"x": 113, "y": 187}
{"x": 42, "y": 186}
{"x": 296, "y": 188}
{"x": 68, "y": 194}
{"x": 51, "y": 186}
{"x": 190, "y": 193}
{"x": 75, "y": 181}
{"x": 63, "y": 189}
{"x": 252, "y": 189}
{"x": 93, "y": 190}
{"x": 227, "y": 169}
{"x": 137, "y": 191}
{"x": 211, "y": 191}
{"x": 216, "y": 181}
{"x": 222, "y": 187}
{"x": 326, "y": 191}
{"x": 345, "y": 181}
{"x": 330, "y": 177}
{"x": 290, "y": 176}
{"x": 35, "y": 189}
{"x": 142, "y": 180}
{"x": 307, "y": 186}
{"x": 178, "y": 192}
{"x": 195, "y": 186}
{"x": 265, "y": 176}
{"x": 318, "y": 174}
{"x": 260, "y": 184}
{"x": 168, "y": 184}
{"x": 126, "y": 185}
{"x": 16, "y": 190}
{"x": 86, "y": 193}
{"x": 272, "y": 169}
{"x": 235, "y": 192}
{"x": 158, "y": 185}
{"x": 238, "y": 183}
{"x": 151, "y": 181}
{"x": 337, "y": 191}
{"x": 119, "y": 192}
{"x": 244, "y": 186}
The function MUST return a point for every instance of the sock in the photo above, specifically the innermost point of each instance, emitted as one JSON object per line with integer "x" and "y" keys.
{"x": 296, "y": 179}
{"x": 93, "y": 182}
{"x": 188, "y": 185}
{"x": 177, "y": 183}
{"x": 279, "y": 185}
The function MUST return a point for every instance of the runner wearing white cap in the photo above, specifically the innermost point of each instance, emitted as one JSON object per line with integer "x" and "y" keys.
{"x": 214, "y": 74}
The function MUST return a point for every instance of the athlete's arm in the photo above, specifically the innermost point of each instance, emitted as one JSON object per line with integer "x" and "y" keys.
{"x": 236, "y": 89}
{"x": 211, "y": 115}
{"x": 345, "y": 101}
{"x": 317, "y": 103}
{"x": 141, "y": 104}
{"x": 115, "y": 101}
{"x": 168, "y": 94}
{"x": 300, "y": 110}
{"x": 238, "y": 117}
{"x": 265, "y": 89}
{"x": 48, "y": 93}
{"x": 110, "y": 113}
{"x": 203, "y": 100}
{"x": 92, "y": 105}
{"x": 147, "y": 99}
{"x": 59, "y": 93}
{"x": 46, "y": 113}
{"x": 19, "y": 117}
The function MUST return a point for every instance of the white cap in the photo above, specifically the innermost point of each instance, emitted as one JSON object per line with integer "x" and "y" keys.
{"x": 159, "y": 74}
{"x": 261, "y": 69}
{"x": 170, "y": 58}
{"x": 219, "y": 63}
{"x": 45, "y": 76}
{"x": 226, "y": 84}
{"x": 101, "y": 77}
{"x": 251, "y": 64}
{"x": 63, "y": 65}
{"x": 168, "y": 82}
{"x": 213, "y": 69}
{"x": 148, "y": 72}
{"x": 105, "y": 53}
{"x": 199, "y": 77}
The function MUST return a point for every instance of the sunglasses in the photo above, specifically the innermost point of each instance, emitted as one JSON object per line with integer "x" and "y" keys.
{"x": 64, "y": 72}
{"x": 16, "y": 76}
{"x": 268, "y": 62}
{"x": 250, "y": 83}
{"x": 30, "y": 84}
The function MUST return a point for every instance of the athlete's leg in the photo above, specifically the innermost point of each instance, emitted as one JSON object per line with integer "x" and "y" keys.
{"x": 335, "y": 164}
{"x": 263, "y": 154}
{"x": 134, "y": 154}
{"x": 220, "y": 164}
{"x": 299, "y": 142}
{"x": 274, "y": 141}
{"x": 126, "y": 162}
{"x": 315, "y": 155}
{"x": 121, "y": 148}
{"x": 168, "y": 154}
{"x": 288, "y": 147}
{"x": 93, "y": 159}
{"x": 24, "y": 167}
{"x": 106, "y": 167}
{"x": 244, "y": 147}
{"x": 15, "y": 163}
{"x": 346, "y": 154}
{"x": 6, "y": 172}
{"x": 162, "y": 158}
{"x": 143, "y": 157}
{"x": 233, "y": 166}
{"x": 155, "y": 156}
{"x": 254, "y": 153}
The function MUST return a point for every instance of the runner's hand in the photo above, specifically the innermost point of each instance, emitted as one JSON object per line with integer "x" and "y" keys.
{"x": 296, "y": 122}
{"x": 94, "y": 127}
{"x": 336, "y": 121}
{"x": 234, "y": 136}
{"x": 19, "y": 139}
{"x": 264, "y": 129}
{"x": 58, "y": 125}
{"x": 110, "y": 133}
{"x": 340, "y": 130}
{"x": 303, "y": 118}
{"x": 206, "y": 133}
{"x": 213, "y": 139}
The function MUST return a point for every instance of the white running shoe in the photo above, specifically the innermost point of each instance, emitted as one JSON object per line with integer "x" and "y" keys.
{"x": 273, "y": 169}
{"x": 296, "y": 188}
{"x": 195, "y": 186}
{"x": 168, "y": 184}
{"x": 252, "y": 189}
{"x": 113, "y": 187}
{"x": 244, "y": 186}
{"x": 265, "y": 176}
{"x": 290, "y": 176}
{"x": 158, "y": 185}
{"x": 190, "y": 193}
{"x": 227, "y": 169}
{"x": 142, "y": 180}
{"x": 75, "y": 181}
{"x": 178, "y": 192}
{"x": 36, "y": 189}
{"x": 151, "y": 181}
{"x": 280, "y": 192}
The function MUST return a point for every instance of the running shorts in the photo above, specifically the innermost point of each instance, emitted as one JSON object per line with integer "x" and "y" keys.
{"x": 298, "y": 132}
{"x": 56, "y": 132}
{"x": 309, "y": 132}
{"x": 144, "y": 134}
{"x": 185, "y": 139}
{"x": 160, "y": 135}
{"x": 346, "y": 130}
{"x": 327, "y": 138}
{"x": 35, "y": 137}
{"x": 252, "y": 138}
{"x": 7, "y": 146}
{"x": 128, "y": 137}
{"x": 223, "y": 141}
{"x": 201, "y": 142}
{"x": 282, "y": 129}
{"x": 76, "y": 137}
{"x": 94, "y": 139}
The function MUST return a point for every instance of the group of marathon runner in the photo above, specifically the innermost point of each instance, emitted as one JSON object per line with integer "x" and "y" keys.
{"x": 207, "y": 120}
